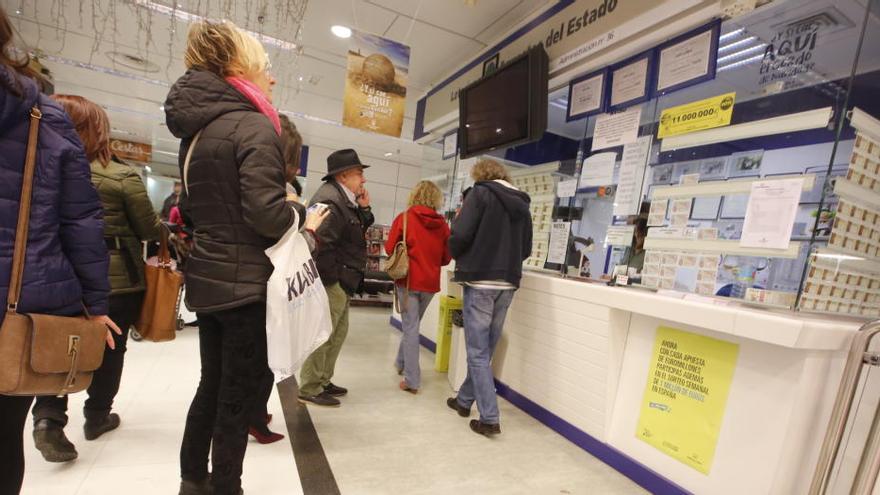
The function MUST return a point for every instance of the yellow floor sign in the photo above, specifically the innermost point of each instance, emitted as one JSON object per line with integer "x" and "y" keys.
{"x": 683, "y": 406}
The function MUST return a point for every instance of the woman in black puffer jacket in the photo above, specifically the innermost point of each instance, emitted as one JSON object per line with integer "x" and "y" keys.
{"x": 235, "y": 198}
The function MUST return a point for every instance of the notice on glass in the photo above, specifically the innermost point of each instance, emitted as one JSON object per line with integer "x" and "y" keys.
{"x": 559, "y": 232}
{"x": 617, "y": 129}
{"x": 632, "y": 175}
{"x": 620, "y": 235}
{"x": 686, "y": 394}
{"x": 629, "y": 82}
{"x": 566, "y": 188}
{"x": 685, "y": 61}
{"x": 586, "y": 96}
{"x": 697, "y": 116}
{"x": 770, "y": 213}
{"x": 598, "y": 170}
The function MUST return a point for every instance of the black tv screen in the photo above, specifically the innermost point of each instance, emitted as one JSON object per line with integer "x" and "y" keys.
{"x": 506, "y": 108}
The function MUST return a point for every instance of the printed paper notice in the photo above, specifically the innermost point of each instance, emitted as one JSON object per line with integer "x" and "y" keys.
{"x": 686, "y": 394}
{"x": 598, "y": 170}
{"x": 617, "y": 129}
{"x": 566, "y": 188}
{"x": 632, "y": 175}
{"x": 630, "y": 82}
{"x": 770, "y": 213}
{"x": 559, "y": 232}
{"x": 684, "y": 61}
{"x": 620, "y": 235}
{"x": 586, "y": 96}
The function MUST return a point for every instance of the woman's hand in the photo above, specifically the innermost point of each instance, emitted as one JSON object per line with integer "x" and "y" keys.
{"x": 110, "y": 326}
{"x": 314, "y": 219}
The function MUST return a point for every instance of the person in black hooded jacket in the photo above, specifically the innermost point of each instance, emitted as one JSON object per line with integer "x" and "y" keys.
{"x": 491, "y": 237}
{"x": 235, "y": 198}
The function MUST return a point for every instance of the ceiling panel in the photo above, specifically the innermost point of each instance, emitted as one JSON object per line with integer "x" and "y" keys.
{"x": 456, "y": 15}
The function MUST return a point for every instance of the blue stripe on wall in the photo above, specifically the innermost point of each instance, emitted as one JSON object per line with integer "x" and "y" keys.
{"x": 645, "y": 477}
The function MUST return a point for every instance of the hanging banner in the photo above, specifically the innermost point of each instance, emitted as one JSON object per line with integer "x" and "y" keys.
{"x": 697, "y": 116}
{"x": 688, "y": 383}
{"x": 375, "y": 85}
{"x": 129, "y": 150}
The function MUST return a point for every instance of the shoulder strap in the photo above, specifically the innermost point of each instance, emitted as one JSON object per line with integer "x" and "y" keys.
{"x": 24, "y": 212}
{"x": 189, "y": 153}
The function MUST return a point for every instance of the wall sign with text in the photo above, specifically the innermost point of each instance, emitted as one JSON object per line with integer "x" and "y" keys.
{"x": 631, "y": 81}
{"x": 697, "y": 116}
{"x": 688, "y": 59}
{"x": 587, "y": 95}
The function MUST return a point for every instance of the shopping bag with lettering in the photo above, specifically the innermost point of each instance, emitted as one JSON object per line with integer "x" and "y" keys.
{"x": 297, "y": 309}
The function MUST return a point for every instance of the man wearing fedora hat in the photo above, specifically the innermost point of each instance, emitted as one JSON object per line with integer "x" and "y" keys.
{"x": 341, "y": 257}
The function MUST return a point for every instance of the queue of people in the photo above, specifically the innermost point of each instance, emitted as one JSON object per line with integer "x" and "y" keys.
{"x": 238, "y": 196}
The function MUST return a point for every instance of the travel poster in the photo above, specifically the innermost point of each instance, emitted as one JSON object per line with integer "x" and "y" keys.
{"x": 375, "y": 85}
{"x": 686, "y": 394}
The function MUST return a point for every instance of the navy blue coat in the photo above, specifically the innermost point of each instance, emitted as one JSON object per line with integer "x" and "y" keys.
{"x": 66, "y": 259}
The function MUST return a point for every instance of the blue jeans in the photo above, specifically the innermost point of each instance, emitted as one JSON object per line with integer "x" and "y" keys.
{"x": 484, "y": 314}
{"x": 413, "y": 308}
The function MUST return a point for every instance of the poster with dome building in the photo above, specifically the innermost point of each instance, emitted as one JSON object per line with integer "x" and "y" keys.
{"x": 375, "y": 86}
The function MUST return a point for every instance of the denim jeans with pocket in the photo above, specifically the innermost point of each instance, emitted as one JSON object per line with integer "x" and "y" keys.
{"x": 484, "y": 313}
{"x": 413, "y": 307}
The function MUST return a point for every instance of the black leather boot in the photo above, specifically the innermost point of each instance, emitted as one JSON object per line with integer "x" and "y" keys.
{"x": 50, "y": 440}
{"x": 95, "y": 427}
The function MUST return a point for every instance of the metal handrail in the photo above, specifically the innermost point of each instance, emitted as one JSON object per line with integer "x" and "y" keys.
{"x": 840, "y": 415}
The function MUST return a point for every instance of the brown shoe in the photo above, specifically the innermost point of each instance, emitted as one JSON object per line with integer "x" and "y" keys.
{"x": 453, "y": 404}
{"x": 407, "y": 388}
{"x": 486, "y": 429}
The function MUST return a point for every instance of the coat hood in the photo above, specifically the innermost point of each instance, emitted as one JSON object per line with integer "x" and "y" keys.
{"x": 199, "y": 97}
{"x": 515, "y": 201}
{"x": 428, "y": 217}
{"x": 14, "y": 109}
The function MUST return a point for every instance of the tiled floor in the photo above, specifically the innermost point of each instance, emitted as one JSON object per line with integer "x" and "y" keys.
{"x": 381, "y": 441}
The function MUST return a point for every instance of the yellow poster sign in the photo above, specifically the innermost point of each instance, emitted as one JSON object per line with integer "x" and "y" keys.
{"x": 686, "y": 394}
{"x": 697, "y": 116}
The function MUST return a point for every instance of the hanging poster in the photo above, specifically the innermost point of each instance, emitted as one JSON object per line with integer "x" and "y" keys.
{"x": 686, "y": 394}
{"x": 375, "y": 85}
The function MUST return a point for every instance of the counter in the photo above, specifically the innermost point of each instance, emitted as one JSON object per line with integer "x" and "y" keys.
{"x": 576, "y": 355}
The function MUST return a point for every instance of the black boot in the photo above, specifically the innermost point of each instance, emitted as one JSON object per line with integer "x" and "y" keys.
{"x": 203, "y": 487}
{"x": 50, "y": 440}
{"x": 97, "y": 426}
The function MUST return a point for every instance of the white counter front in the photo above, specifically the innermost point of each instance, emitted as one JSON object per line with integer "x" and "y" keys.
{"x": 580, "y": 352}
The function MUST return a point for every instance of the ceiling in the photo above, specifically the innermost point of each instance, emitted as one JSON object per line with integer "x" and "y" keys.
{"x": 75, "y": 39}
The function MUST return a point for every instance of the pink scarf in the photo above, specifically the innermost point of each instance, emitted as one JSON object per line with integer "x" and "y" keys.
{"x": 256, "y": 96}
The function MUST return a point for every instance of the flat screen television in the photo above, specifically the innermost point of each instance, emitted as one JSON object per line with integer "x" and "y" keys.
{"x": 506, "y": 108}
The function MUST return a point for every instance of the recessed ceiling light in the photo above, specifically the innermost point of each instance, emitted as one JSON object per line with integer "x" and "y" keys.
{"x": 341, "y": 31}
{"x": 149, "y": 169}
{"x": 389, "y": 154}
{"x": 162, "y": 107}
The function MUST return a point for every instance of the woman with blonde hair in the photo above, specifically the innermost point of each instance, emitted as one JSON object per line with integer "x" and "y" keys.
{"x": 426, "y": 233}
{"x": 235, "y": 198}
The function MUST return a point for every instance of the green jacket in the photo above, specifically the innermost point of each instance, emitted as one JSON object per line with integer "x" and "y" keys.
{"x": 129, "y": 219}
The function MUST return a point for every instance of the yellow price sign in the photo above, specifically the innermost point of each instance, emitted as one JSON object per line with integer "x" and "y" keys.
{"x": 697, "y": 116}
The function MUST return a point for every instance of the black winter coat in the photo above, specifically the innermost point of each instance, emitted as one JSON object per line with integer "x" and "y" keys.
{"x": 492, "y": 235}
{"x": 234, "y": 193}
{"x": 341, "y": 255}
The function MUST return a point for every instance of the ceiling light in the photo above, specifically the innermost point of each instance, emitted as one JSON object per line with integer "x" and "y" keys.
{"x": 341, "y": 31}
{"x": 162, "y": 107}
{"x": 389, "y": 154}
{"x": 741, "y": 63}
{"x": 149, "y": 169}
{"x": 734, "y": 33}
{"x": 839, "y": 257}
{"x": 740, "y": 53}
{"x": 741, "y": 42}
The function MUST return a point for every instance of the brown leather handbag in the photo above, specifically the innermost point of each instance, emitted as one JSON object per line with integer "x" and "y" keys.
{"x": 43, "y": 354}
{"x": 158, "y": 319}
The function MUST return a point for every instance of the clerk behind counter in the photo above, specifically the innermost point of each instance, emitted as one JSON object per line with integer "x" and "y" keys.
{"x": 635, "y": 257}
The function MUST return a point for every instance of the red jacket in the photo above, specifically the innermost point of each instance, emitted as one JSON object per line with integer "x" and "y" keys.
{"x": 427, "y": 233}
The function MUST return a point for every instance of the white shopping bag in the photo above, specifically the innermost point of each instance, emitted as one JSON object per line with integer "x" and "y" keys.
{"x": 297, "y": 309}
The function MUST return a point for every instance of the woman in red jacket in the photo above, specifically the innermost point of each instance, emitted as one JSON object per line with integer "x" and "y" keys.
{"x": 426, "y": 236}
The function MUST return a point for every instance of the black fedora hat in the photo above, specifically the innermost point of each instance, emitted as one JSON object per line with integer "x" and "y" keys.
{"x": 342, "y": 160}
